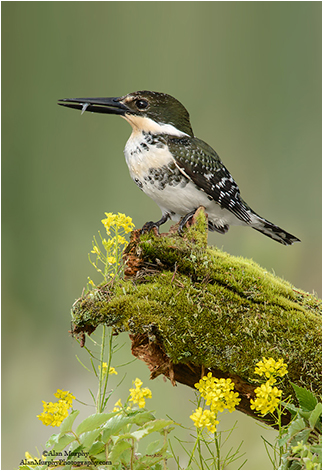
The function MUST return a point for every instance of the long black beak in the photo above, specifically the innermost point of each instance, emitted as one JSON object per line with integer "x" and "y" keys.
{"x": 96, "y": 105}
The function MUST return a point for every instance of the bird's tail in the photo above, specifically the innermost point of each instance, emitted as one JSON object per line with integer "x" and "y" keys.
{"x": 273, "y": 231}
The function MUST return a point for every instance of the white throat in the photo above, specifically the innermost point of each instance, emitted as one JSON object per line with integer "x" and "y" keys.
{"x": 143, "y": 124}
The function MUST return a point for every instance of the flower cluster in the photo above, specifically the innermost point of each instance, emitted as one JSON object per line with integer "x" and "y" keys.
{"x": 267, "y": 395}
{"x": 271, "y": 368}
{"x": 204, "y": 418}
{"x": 138, "y": 394}
{"x": 118, "y": 221}
{"x": 219, "y": 395}
{"x": 267, "y": 398}
{"x": 55, "y": 412}
{"x": 119, "y": 225}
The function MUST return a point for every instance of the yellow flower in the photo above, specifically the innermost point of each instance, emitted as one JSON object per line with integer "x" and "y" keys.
{"x": 55, "y": 412}
{"x": 122, "y": 240}
{"x": 119, "y": 221}
{"x": 112, "y": 370}
{"x": 65, "y": 396}
{"x": 32, "y": 461}
{"x": 104, "y": 368}
{"x": 111, "y": 260}
{"x": 28, "y": 456}
{"x": 139, "y": 394}
{"x": 204, "y": 418}
{"x": 117, "y": 406}
{"x": 138, "y": 383}
{"x": 91, "y": 282}
{"x": 108, "y": 222}
{"x": 271, "y": 368}
{"x": 95, "y": 250}
{"x": 218, "y": 393}
{"x": 267, "y": 398}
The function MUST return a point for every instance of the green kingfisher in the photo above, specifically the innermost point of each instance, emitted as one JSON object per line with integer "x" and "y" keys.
{"x": 176, "y": 169}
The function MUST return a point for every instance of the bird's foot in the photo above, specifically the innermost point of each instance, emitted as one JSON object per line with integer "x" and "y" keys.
{"x": 184, "y": 220}
{"x": 149, "y": 226}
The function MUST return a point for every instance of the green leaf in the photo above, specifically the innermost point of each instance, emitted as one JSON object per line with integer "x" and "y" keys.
{"x": 149, "y": 461}
{"x": 318, "y": 450}
{"x": 282, "y": 441}
{"x": 293, "y": 465}
{"x": 301, "y": 436}
{"x": 150, "y": 427}
{"x": 93, "y": 422}
{"x": 306, "y": 399}
{"x": 99, "y": 456}
{"x": 295, "y": 427}
{"x": 96, "y": 448}
{"x": 74, "y": 449}
{"x": 63, "y": 441}
{"x": 52, "y": 439}
{"x": 315, "y": 415}
{"x": 114, "y": 425}
{"x": 138, "y": 434}
{"x": 118, "y": 449}
{"x": 68, "y": 422}
{"x": 87, "y": 438}
{"x": 125, "y": 459}
{"x": 153, "y": 447}
{"x": 157, "y": 425}
{"x": 306, "y": 414}
{"x": 142, "y": 417}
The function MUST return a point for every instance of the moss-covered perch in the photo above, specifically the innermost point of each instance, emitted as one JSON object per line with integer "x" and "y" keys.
{"x": 190, "y": 309}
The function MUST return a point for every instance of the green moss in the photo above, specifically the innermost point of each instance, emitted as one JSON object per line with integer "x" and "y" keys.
{"x": 210, "y": 308}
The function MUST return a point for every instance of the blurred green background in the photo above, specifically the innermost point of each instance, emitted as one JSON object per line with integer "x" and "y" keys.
{"x": 249, "y": 74}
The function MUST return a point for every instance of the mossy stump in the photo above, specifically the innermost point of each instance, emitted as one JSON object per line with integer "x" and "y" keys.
{"x": 190, "y": 309}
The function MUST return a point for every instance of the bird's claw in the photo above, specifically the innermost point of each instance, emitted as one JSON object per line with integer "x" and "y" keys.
{"x": 184, "y": 220}
{"x": 149, "y": 226}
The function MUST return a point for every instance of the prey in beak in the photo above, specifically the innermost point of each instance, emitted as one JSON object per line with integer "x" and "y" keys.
{"x": 96, "y": 105}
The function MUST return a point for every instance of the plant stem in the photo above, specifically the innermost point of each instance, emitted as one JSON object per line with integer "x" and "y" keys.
{"x": 281, "y": 448}
{"x": 132, "y": 453}
{"x": 200, "y": 454}
{"x": 218, "y": 451}
{"x": 99, "y": 396}
{"x": 108, "y": 369}
{"x": 116, "y": 253}
{"x": 199, "y": 433}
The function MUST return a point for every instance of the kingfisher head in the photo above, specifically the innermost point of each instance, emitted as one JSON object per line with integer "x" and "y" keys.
{"x": 146, "y": 111}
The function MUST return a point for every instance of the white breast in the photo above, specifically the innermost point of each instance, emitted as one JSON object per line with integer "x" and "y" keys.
{"x": 140, "y": 158}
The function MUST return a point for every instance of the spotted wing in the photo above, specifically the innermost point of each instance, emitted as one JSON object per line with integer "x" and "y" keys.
{"x": 199, "y": 162}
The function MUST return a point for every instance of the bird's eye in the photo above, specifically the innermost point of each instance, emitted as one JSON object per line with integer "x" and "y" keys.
{"x": 142, "y": 104}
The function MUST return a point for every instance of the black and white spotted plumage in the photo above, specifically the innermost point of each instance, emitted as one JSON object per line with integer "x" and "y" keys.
{"x": 192, "y": 172}
{"x": 203, "y": 166}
